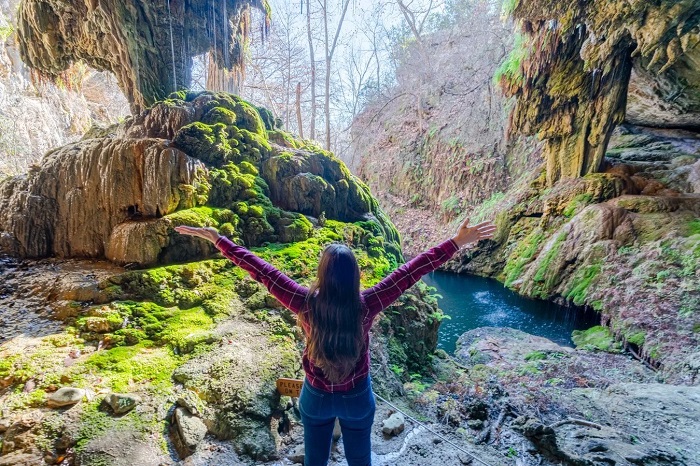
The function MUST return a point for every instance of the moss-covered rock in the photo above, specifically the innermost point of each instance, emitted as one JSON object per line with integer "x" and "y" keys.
{"x": 572, "y": 89}
{"x": 596, "y": 338}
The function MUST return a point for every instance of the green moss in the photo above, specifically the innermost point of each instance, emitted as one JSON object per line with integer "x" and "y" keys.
{"x": 5, "y": 32}
{"x": 96, "y": 423}
{"x": 43, "y": 364}
{"x": 127, "y": 369}
{"x": 577, "y": 204}
{"x": 7, "y": 366}
{"x": 284, "y": 139}
{"x": 268, "y": 119}
{"x": 595, "y": 338}
{"x": 531, "y": 368}
{"x": 536, "y": 356}
{"x": 522, "y": 254}
{"x": 582, "y": 281}
{"x": 195, "y": 217}
{"x": 547, "y": 276}
{"x": 178, "y": 95}
{"x": 219, "y": 115}
{"x": 636, "y": 338}
{"x": 486, "y": 209}
{"x": 694, "y": 227}
{"x": 208, "y": 143}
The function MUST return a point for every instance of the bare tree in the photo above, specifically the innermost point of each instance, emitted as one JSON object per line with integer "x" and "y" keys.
{"x": 312, "y": 61}
{"x": 278, "y": 69}
{"x": 330, "y": 48}
{"x": 416, "y": 14}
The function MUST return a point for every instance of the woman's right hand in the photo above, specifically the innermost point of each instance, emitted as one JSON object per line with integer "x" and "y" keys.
{"x": 466, "y": 234}
{"x": 208, "y": 233}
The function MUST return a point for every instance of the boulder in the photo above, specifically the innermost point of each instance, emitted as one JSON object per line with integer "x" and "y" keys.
{"x": 66, "y": 396}
{"x": 122, "y": 403}
{"x": 394, "y": 424}
{"x": 191, "y": 402}
{"x": 85, "y": 190}
{"x": 191, "y": 428}
{"x": 125, "y": 447}
{"x": 237, "y": 382}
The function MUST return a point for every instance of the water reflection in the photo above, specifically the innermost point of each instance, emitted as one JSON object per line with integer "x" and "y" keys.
{"x": 474, "y": 302}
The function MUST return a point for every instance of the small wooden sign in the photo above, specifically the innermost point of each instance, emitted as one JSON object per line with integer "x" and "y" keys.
{"x": 289, "y": 387}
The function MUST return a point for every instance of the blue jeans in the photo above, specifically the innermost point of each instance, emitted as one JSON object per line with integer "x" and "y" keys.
{"x": 355, "y": 410}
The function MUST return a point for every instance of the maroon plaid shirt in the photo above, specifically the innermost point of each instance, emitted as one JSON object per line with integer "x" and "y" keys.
{"x": 374, "y": 300}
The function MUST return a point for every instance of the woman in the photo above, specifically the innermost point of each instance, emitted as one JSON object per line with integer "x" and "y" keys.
{"x": 336, "y": 318}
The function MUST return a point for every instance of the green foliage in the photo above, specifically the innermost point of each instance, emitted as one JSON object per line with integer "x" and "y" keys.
{"x": 452, "y": 206}
{"x": 694, "y": 227}
{"x": 578, "y": 203}
{"x": 510, "y": 70}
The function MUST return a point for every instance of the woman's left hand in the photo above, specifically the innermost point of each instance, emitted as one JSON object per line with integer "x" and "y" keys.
{"x": 208, "y": 233}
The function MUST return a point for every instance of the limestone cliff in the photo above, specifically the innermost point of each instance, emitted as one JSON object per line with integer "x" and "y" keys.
{"x": 623, "y": 241}
{"x": 38, "y": 116}
{"x": 147, "y": 45}
{"x": 570, "y": 74}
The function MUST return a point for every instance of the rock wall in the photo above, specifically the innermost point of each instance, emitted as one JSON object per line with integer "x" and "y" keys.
{"x": 587, "y": 51}
{"x": 36, "y": 116}
{"x": 148, "y": 46}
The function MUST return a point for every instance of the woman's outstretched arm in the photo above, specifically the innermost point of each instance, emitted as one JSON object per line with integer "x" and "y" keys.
{"x": 287, "y": 291}
{"x": 388, "y": 290}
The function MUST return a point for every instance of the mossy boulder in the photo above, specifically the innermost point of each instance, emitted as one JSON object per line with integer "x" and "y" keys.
{"x": 595, "y": 338}
{"x": 199, "y": 159}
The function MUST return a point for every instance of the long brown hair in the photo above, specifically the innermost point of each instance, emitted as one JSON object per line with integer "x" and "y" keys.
{"x": 334, "y": 316}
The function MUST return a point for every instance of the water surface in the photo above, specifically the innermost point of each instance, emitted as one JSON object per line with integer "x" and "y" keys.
{"x": 474, "y": 302}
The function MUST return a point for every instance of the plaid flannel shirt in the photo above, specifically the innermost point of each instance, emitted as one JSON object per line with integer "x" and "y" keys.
{"x": 374, "y": 299}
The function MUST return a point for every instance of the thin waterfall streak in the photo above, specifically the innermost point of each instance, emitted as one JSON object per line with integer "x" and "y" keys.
{"x": 172, "y": 47}
{"x": 227, "y": 65}
{"x": 213, "y": 25}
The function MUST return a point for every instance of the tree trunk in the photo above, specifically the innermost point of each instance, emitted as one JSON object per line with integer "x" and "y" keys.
{"x": 298, "y": 105}
{"x": 312, "y": 127}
